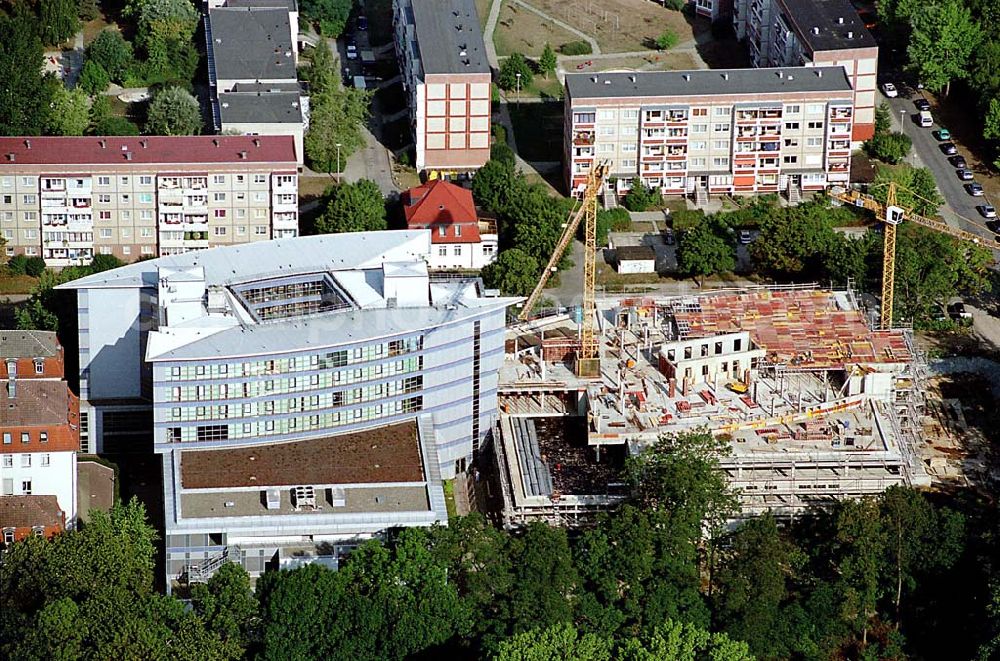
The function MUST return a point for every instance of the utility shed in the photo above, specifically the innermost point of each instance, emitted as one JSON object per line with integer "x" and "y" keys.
{"x": 636, "y": 259}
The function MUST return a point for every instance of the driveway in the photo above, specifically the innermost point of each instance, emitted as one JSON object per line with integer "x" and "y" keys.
{"x": 929, "y": 154}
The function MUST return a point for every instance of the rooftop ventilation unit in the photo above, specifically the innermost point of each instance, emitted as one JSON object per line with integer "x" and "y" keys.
{"x": 243, "y": 155}
{"x": 850, "y": 35}
{"x": 273, "y": 499}
{"x": 815, "y": 30}
{"x": 840, "y": 20}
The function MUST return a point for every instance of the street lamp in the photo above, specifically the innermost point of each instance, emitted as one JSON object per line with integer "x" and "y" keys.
{"x": 339, "y": 176}
{"x": 902, "y": 122}
{"x": 518, "y": 90}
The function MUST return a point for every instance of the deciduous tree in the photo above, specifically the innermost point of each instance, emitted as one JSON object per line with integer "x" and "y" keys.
{"x": 354, "y": 207}
{"x": 514, "y": 273}
{"x": 942, "y": 38}
{"x": 331, "y": 15}
{"x": 513, "y": 66}
{"x": 69, "y": 112}
{"x": 547, "y": 62}
{"x": 173, "y": 111}
{"x": 706, "y": 249}
{"x": 24, "y": 98}
{"x": 93, "y": 78}
{"x": 59, "y": 20}
{"x": 112, "y": 52}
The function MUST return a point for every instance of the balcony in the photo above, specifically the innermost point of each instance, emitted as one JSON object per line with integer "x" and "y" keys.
{"x": 582, "y": 138}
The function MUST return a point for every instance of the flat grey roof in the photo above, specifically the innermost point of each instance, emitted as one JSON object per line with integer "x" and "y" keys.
{"x": 260, "y": 107}
{"x": 835, "y": 20}
{"x": 199, "y": 505}
{"x": 443, "y": 27}
{"x": 252, "y": 44}
{"x": 289, "y": 5}
{"x": 707, "y": 82}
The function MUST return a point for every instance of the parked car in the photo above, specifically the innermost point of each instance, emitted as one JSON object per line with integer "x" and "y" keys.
{"x": 994, "y": 226}
{"x": 352, "y": 52}
{"x": 668, "y": 236}
{"x": 949, "y": 148}
{"x": 942, "y": 134}
{"x": 745, "y": 237}
{"x": 924, "y": 119}
{"x": 958, "y": 162}
{"x": 964, "y": 175}
{"x": 957, "y": 311}
{"x": 922, "y": 104}
{"x": 975, "y": 189}
{"x": 890, "y": 90}
{"x": 987, "y": 211}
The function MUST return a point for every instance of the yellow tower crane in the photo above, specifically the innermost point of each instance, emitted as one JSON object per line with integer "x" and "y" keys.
{"x": 587, "y": 362}
{"x": 892, "y": 215}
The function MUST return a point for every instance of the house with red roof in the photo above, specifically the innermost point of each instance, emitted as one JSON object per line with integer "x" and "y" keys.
{"x": 461, "y": 237}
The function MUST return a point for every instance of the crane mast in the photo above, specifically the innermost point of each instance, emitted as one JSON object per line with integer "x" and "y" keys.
{"x": 587, "y": 362}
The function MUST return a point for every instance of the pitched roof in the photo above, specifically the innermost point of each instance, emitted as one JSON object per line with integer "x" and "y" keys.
{"x": 28, "y": 344}
{"x": 35, "y": 402}
{"x": 29, "y": 511}
{"x": 438, "y": 203}
{"x": 180, "y": 149}
{"x": 251, "y": 43}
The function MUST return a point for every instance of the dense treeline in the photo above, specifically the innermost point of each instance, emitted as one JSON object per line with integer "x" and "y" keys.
{"x": 890, "y": 577}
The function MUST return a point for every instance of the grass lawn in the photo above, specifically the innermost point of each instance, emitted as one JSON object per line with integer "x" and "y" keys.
{"x": 483, "y": 9}
{"x": 449, "y": 498}
{"x": 17, "y": 284}
{"x": 521, "y": 30}
{"x": 538, "y": 129}
{"x": 313, "y": 187}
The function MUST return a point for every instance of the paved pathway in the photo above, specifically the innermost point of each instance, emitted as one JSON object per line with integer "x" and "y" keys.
{"x": 491, "y": 26}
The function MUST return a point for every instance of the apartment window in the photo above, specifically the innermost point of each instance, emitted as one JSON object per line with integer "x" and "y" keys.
{"x": 606, "y": 114}
{"x": 814, "y": 142}
{"x": 9, "y": 235}
{"x": 145, "y": 180}
{"x": 26, "y": 487}
{"x": 220, "y": 231}
{"x": 8, "y": 199}
{"x": 699, "y": 128}
{"x": 260, "y": 196}
{"x": 260, "y": 230}
{"x": 606, "y": 148}
{"x": 6, "y": 438}
{"x": 241, "y": 230}
{"x": 31, "y": 251}
{"x": 241, "y": 179}
{"x": 629, "y": 148}
{"x": 458, "y": 251}
{"x": 584, "y": 117}
{"x": 793, "y": 110}
{"x": 104, "y": 199}
{"x": 488, "y": 250}
{"x": 125, "y": 215}
{"x": 792, "y": 126}
{"x": 29, "y": 199}
{"x": 27, "y": 181}
{"x": 126, "y": 232}
{"x": 146, "y": 214}
{"x": 607, "y": 131}
{"x": 723, "y": 111}
{"x": 721, "y": 128}
{"x": 720, "y": 161}
{"x": 458, "y": 230}
{"x": 697, "y": 162}
{"x": 220, "y": 213}
{"x": 7, "y": 181}
{"x": 814, "y": 125}
{"x": 8, "y": 535}
{"x": 45, "y": 460}
{"x": 219, "y": 179}
{"x": 104, "y": 215}
{"x": 104, "y": 181}
{"x": 106, "y": 250}
{"x": 124, "y": 181}
{"x": 628, "y": 163}
{"x": 145, "y": 198}
{"x": 259, "y": 213}
{"x": 146, "y": 232}
{"x": 815, "y": 108}
{"x": 442, "y": 251}
{"x": 8, "y": 461}
{"x": 792, "y": 143}
{"x": 699, "y": 112}
{"x": 25, "y": 437}
{"x": 126, "y": 199}
{"x": 31, "y": 234}
{"x": 220, "y": 197}
{"x": 630, "y": 113}
{"x": 699, "y": 146}
{"x": 105, "y": 232}
{"x": 39, "y": 367}
{"x": 126, "y": 250}
{"x": 630, "y": 131}
{"x": 720, "y": 144}
{"x": 790, "y": 160}
{"x": 260, "y": 179}
{"x": 146, "y": 250}
{"x": 25, "y": 461}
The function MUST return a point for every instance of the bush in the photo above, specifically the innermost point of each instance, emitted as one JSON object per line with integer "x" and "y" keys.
{"x": 667, "y": 40}
{"x": 93, "y": 78}
{"x": 500, "y": 133}
{"x": 501, "y": 152}
{"x": 676, "y": 5}
{"x": 509, "y": 70}
{"x": 576, "y": 48}
{"x": 640, "y": 197}
{"x": 17, "y": 265}
{"x": 34, "y": 266}
{"x": 114, "y": 125}
{"x": 889, "y": 147}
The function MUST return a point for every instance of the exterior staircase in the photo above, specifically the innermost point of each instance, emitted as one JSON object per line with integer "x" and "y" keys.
{"x": 201, "y": 572}
{"x": 794, "y": 193}
{"x": 700, "y": 196}
{"x": 609, "y": 199}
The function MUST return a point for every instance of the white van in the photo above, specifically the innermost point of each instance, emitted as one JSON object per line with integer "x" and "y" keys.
{"x": 925, "y": 119}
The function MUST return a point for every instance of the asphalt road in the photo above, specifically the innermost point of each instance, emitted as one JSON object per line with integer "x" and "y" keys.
{"x": 929, "y": 153}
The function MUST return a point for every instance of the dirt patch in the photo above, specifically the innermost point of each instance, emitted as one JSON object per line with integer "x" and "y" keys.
{"x": 384, "y": 454}
{"x": 520, "y": 30}
{"x": 311, "y": 188}
{"x": 17, "y": 284}
{"x": 483, "y": 9}
{"x": 621, "y": 26}
{"x": 653, "y": 62}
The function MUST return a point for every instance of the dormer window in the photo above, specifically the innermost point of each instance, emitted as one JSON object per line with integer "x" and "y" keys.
{"x": 442, "y": 231}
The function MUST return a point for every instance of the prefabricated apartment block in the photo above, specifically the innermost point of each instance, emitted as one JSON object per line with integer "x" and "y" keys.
{"x": 814, "y": 404}
{"x": 302, "y": 393}
{"x": 447, "y": 78}
{"x": 783, "y": 33}
{"x": 67, "y": 199}
{"x": 738, "y": 131}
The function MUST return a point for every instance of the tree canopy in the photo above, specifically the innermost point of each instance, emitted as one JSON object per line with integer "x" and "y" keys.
{"x": 353, "y": 207}
{"x": 337, "y": 114}
{"x": 173, "y": 111}
{"x": 943, "y": 36}
{"x": 514, "y": 66}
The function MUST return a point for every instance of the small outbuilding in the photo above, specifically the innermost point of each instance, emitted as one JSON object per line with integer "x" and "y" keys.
{"x": 635, "y": 259}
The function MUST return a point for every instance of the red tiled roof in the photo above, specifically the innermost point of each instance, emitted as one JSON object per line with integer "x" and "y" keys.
{"x": 88, "y": 150}
{"x": 29, "y": 511}
{"x": 440, "y": 203}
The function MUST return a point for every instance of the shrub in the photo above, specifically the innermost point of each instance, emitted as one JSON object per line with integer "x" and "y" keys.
{"x": 34, "y": 266}
{"x": 640, "y": 197}
{"x": 509, "y": 70}
{"x": 500, "y": 133}
{"x": 676, "y": 5}
{"x": 500, "y": 151}
{"x": 889, "y": 147}
{"x": 93, "y": 79}
{"x": 17, "y": 265}
{"x": 667, "y": 40}
{"x": 618, "y": 219}
{"x": 576, "y": 48}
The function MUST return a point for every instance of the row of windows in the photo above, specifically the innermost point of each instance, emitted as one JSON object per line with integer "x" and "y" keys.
{"x": 44, "y": 460}
{"x": 314, "y": 422}
{"x": 8, "y": 487}
{"x": 8, "y": 437}
{"x": 313, "y": 402}
{"x": 298, "y": 364}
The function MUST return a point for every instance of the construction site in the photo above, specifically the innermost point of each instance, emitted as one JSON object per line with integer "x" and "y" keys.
{"x": 815, "y": 404}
